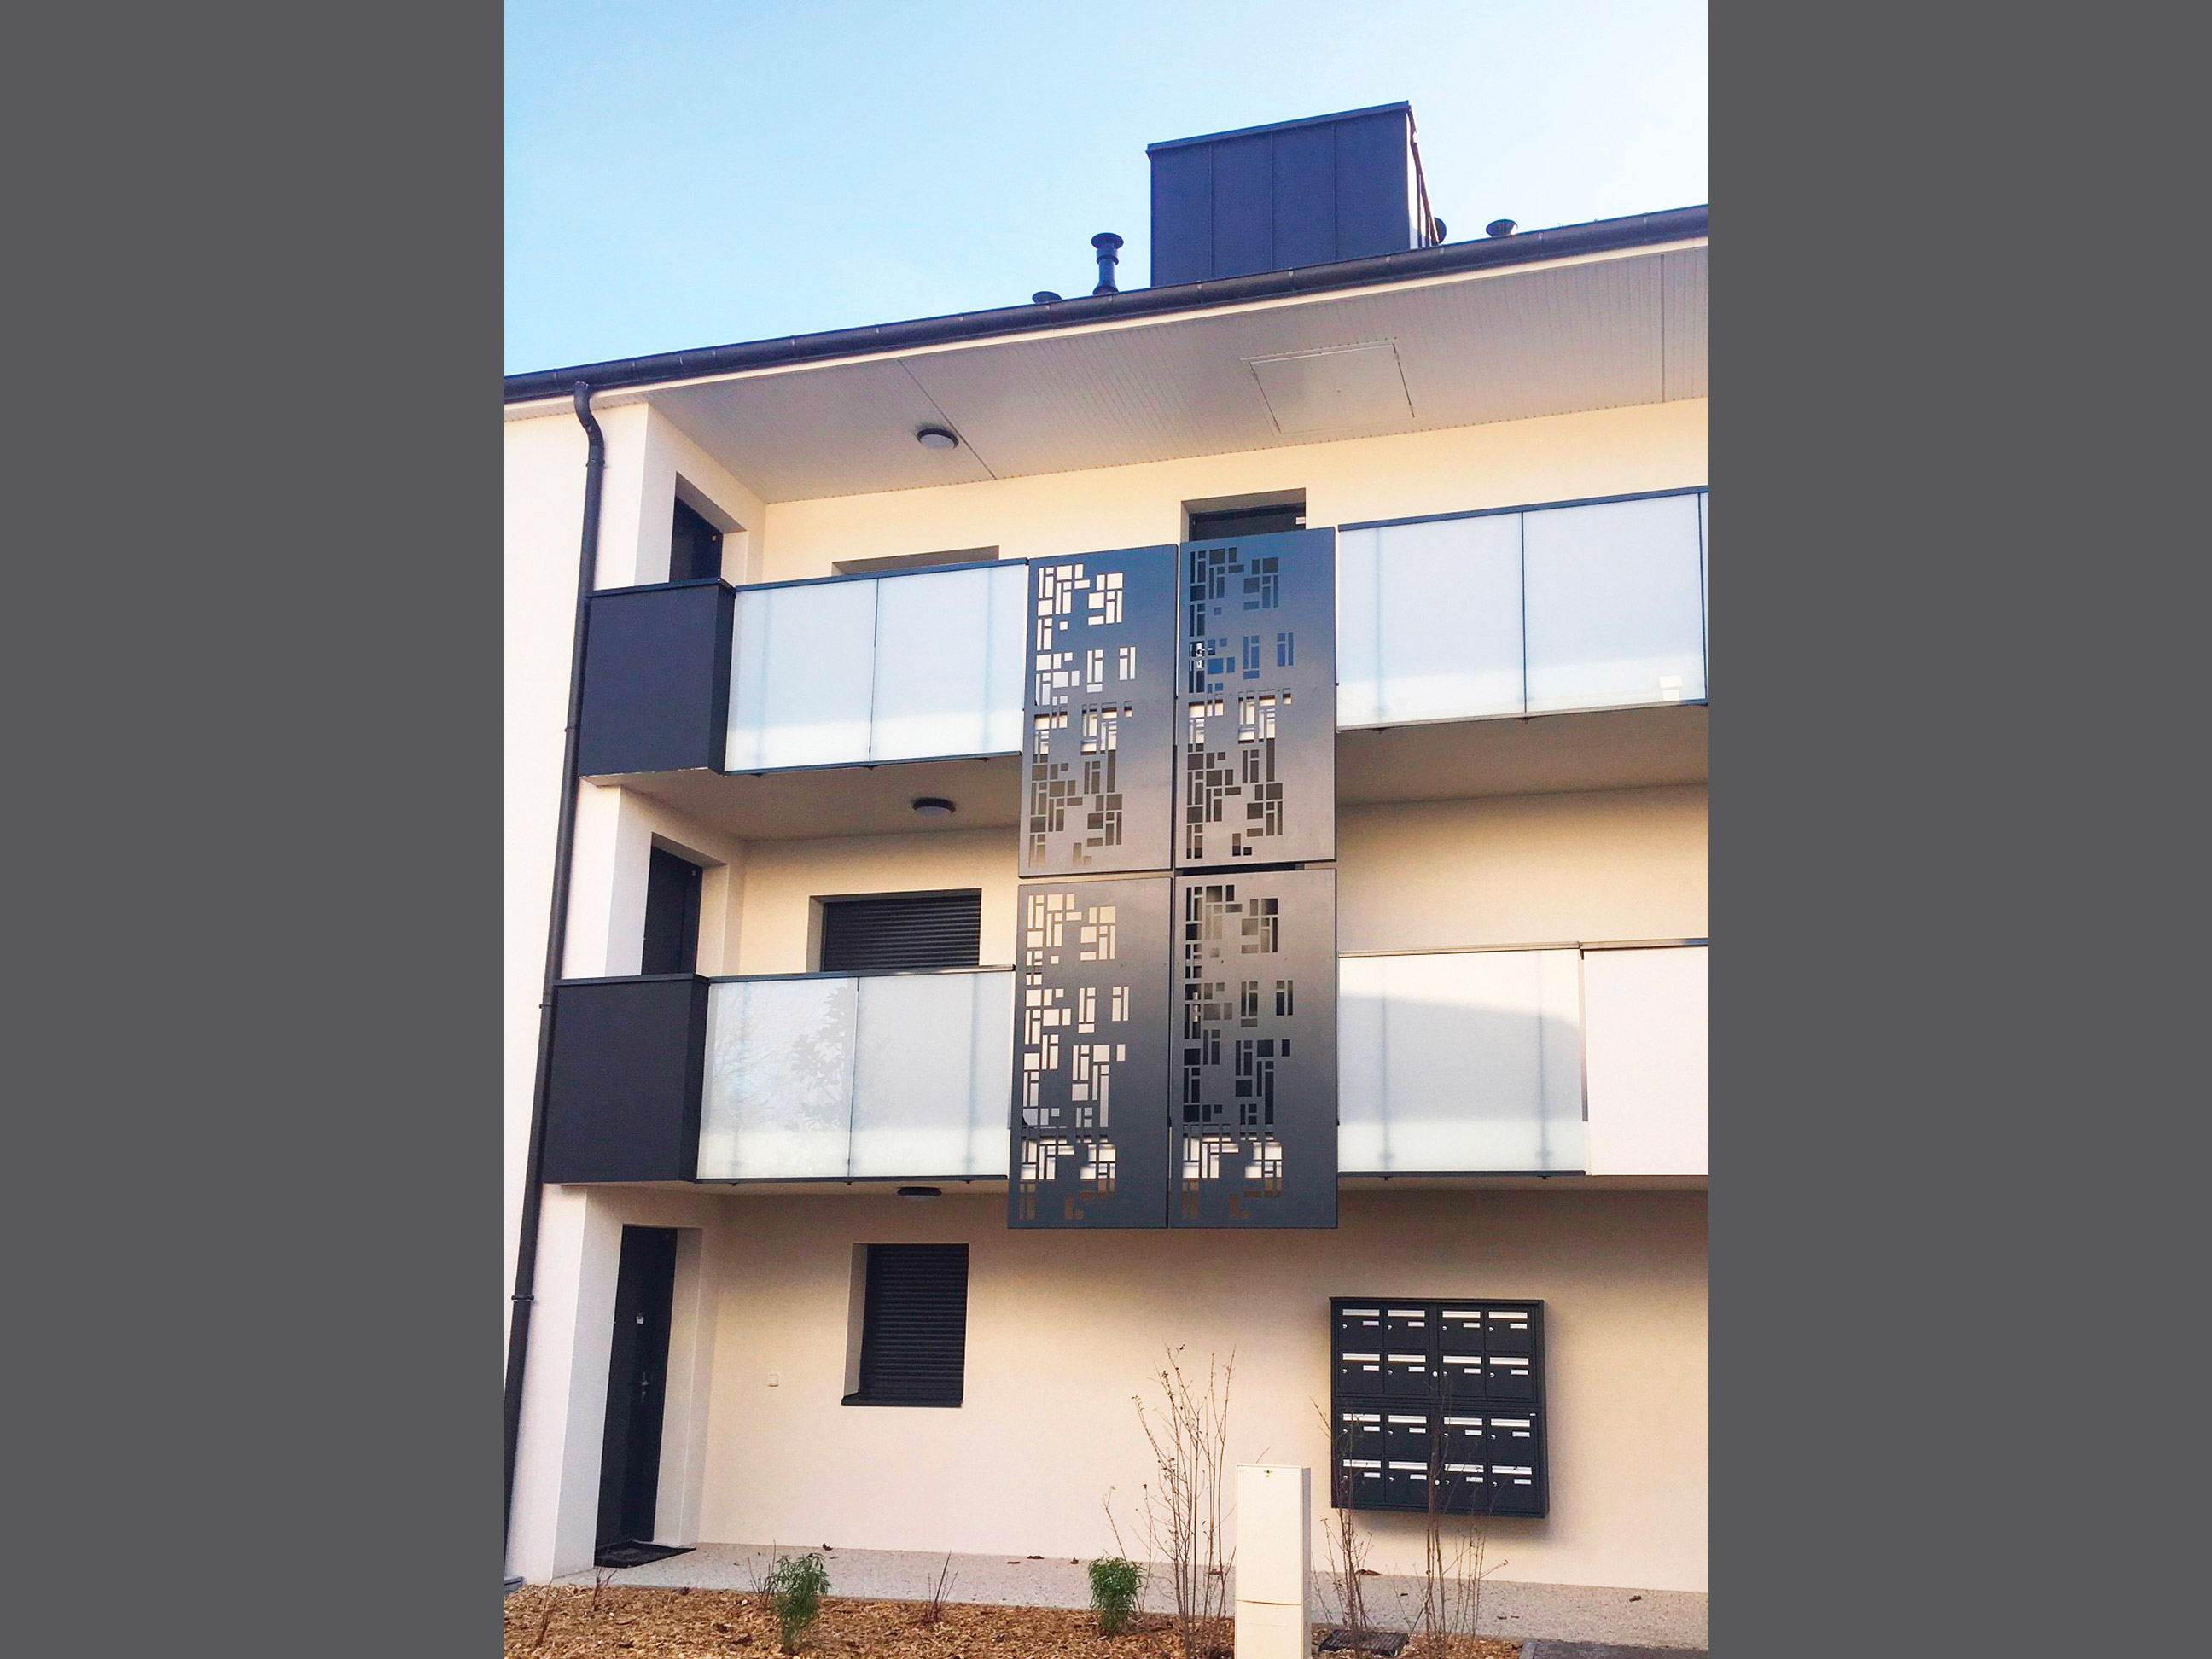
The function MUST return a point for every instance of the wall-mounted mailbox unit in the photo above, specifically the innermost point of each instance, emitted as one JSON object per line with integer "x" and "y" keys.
{"x": 656, "y": 679}
{"x": 1275, "y": 197}
{"x": 623, "y": 1091}
{"x": 1437, "y": 1403}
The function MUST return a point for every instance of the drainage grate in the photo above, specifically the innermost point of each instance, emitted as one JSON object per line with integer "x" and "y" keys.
{"x": 1384, "y": 1642}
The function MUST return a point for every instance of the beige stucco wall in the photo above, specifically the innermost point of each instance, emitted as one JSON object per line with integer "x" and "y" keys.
{"x": 1598, "y": 866}
{"x": 783, "y": 878}
{"x": 545, "y": 507}
{"x": 1602, "y": 865}
{"x": 1560, "y": 457}
{"x": 1063, "y": 1328}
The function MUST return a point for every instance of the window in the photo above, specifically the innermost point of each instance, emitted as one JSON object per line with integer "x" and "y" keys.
{"x": 893, "y": 563}
{"x": 902, "y": 930}
{"x": 695, "y": 546}
{"x": 1228, "y": 517}
{"x": 913, "y": 1332}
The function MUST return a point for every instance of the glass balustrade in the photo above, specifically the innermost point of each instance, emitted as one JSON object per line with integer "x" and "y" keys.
{"x": 1465, "y": 1061}
{"x": 1539, "y": 612}
{"x": 851, "y": 671}
{"x": 835, "y": 1077}
{"x": 1545, "y": 610}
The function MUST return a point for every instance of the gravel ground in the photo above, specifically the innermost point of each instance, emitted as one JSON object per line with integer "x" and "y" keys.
{"x": 1510, "y": 1608}
{"x": 627, "y": 1622}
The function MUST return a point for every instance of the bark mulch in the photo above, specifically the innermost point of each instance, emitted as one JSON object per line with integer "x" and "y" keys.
{"x": 630, "y": 1621}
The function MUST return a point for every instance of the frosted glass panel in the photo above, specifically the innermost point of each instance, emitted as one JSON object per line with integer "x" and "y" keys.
{"x": 931, "y": 1078}
{"x": 1648, "y": 1061}
{"x": 1705, "y": 578}
{"x": 801, "y": 675}
{"x": 1008, "y": 661}
{"x": 779, "y": 1086}
{"x": 1358, "y": 622}
{"x": 1463, "y": 1062}
{"x": 1429, "y": 621}
{"x": 1616, "y": 616}
{"x": 933, "y": 658}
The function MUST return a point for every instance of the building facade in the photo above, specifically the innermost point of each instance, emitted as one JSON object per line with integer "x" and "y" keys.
{"x": 1171, "y": 819}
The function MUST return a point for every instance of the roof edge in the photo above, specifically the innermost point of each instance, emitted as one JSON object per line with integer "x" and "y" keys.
{"x": 1280, "y": 126}
{"x": 1526, "y": 247}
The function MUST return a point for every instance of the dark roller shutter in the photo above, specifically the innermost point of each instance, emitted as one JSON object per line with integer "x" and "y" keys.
{"x": 935, "y": 930}
{"x": 914, "y": 1343}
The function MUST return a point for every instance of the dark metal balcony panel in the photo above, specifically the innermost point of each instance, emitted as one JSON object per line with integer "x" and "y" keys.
{"x": 629, "y": 1061}
{"x": 1255, "y": 1049}
{"x": 1090, "y": 1056}
{"x": 656, "y": 679}
{"x": 1099, "y": 714}
{"x": 1256, "y": 773}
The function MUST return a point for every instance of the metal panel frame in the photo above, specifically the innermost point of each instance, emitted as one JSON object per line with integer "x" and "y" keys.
{"x": 1098, "y": 714}
{"x": 1089, "y": 1141}
{"x": 1256, "y": 733}
{"x": 1255, "y": 1049}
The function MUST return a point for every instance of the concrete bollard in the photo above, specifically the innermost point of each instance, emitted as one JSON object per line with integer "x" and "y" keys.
{"x": 1274, "y": 1560}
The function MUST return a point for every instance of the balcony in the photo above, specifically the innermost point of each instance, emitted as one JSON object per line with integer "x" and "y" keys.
{"x": 1572, "y": 1059}
{"x": 849, "y": 1077}
{"x": 1459, "y": 640}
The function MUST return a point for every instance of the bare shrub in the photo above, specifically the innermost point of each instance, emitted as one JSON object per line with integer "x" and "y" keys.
{"x": 1454, "y": 1566}
{"x": 553, "y": 1597}
{"x": 1346, "y": 1551}
{"x": 933, "y": 1611}
{"x": 1184, "y": 1516}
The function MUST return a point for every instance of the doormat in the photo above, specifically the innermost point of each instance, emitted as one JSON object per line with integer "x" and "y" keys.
{"x": 630, "y": 1553}
{"x": 1384, "y": 1642}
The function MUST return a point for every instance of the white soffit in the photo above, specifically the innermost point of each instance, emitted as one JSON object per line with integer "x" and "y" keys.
{"x": 1350, "y": 388}
{"x": 1512, "y": 346}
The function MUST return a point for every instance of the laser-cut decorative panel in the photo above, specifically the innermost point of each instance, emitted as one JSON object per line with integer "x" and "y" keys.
{"x": 1254, "y": 1095}
{"x": 1098, "y": 714}
{"x": 1091, "y": 1016}
{"x": 1257, "y": 773}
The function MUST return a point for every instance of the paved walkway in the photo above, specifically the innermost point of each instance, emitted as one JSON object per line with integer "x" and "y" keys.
{"x": 1560, "y": 1613}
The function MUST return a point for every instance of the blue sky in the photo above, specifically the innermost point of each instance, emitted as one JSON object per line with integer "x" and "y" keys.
{"x": 681, "y": 174}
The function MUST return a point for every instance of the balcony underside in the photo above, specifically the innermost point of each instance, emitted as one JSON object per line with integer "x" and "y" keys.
{"x": 986, "y": 1185}
{"x": 1445, "y": 760}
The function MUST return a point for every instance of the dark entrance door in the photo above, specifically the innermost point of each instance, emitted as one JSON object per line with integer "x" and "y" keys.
{"x": 671, "y": 915}
{"x": 637, "y": 1378}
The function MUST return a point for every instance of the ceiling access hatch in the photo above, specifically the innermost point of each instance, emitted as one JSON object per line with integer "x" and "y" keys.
{"x": 1345, "y": 387}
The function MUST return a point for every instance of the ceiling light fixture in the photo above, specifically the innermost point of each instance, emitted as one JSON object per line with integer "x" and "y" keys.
{"x": 919, "y": 1192}
{"x": 936, "y": 437}
{"x": 933, "y": 806}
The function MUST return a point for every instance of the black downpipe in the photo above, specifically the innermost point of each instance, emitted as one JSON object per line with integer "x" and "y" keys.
{"x": 557, "y": 929}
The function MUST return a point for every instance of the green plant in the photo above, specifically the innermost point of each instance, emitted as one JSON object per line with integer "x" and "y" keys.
{"x": 1114, "y": 1585}
{"x": 794, "y": 1590}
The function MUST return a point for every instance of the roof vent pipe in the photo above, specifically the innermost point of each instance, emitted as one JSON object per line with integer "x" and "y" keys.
{"x": 1106, "y": 242}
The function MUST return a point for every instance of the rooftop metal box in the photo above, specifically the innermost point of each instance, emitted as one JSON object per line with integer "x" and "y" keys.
{"x": 1307, "y": 193}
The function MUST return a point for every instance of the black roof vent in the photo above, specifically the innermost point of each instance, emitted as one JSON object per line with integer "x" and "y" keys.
{"x": 1306, "y": 193}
